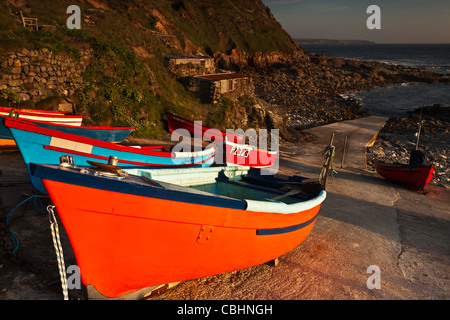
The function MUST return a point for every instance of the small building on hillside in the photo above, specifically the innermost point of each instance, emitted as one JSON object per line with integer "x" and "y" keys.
{"x": 196, "y": 59}
{"x": 211, "y": 87}
{"x": 190, "y": 65}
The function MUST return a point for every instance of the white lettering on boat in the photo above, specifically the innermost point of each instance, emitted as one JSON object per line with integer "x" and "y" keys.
{"x": 240, "y": 151}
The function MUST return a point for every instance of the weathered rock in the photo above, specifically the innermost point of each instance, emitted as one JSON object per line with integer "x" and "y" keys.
{"x": 16, "y": 70}
{"x": 65, "y": 107}
{"x": 24, "y": 96}
{"x": 15, "y": 83}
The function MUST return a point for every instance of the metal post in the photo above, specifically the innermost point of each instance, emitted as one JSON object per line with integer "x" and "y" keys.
{"x": 343, "y": 152}
{"x": 420, "y": 127}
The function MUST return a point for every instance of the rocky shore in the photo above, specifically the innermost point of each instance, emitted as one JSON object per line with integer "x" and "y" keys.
{"x": 308, "y": 91}
{"x": 398, "y": 138}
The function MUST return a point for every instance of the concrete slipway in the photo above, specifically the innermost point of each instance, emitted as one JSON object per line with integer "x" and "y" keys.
{"x": 364, "y": 222}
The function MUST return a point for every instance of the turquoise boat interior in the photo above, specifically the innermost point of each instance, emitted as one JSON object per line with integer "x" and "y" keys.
{"x": 237, "y": 182}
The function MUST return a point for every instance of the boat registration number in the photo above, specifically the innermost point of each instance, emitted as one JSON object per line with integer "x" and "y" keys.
{"x": 240, "y": 151}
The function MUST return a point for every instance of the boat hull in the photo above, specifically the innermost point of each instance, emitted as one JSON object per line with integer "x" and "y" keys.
{"x": 232, "y": 150}
{"x": 132, "y": 239}
{"x": 46, "y": 116}
{"x": 418, "y": 176}
{"x": 46, "y": 146}
{"x": 8, "y": 145}
{"x": 247, "y": 155}
{"x": 196, "y": 130}
{"x": 109, "y": 134}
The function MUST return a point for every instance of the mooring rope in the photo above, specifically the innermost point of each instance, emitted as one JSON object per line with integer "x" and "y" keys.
{"x": 328, "y": 156}
{"x": 37, "y": 202}
{"x": 58, "y": 249}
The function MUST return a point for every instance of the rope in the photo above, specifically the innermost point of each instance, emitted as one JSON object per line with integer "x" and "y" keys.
{"x": 328, "y": 156}
{"x": 58, "y": 249}
{"x": 36, "y": 202}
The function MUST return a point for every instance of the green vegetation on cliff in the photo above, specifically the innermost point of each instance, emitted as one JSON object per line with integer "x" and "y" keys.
{"x": 220, "y": 26}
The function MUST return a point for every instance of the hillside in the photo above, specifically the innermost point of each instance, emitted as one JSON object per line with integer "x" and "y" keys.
{"x": 124, "y": 78}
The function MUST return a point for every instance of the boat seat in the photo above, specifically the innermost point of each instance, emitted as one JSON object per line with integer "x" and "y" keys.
{"x": 275, "y": 187}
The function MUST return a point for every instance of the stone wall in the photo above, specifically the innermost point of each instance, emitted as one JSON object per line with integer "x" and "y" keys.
{"x": 212, "y": 90}
{"x": 183, "y": 71}
{"x": 37, "y": 74}
{"x": 241, "y": 87}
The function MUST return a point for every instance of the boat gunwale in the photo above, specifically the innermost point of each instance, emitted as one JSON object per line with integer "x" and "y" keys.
{"x": 8, "y": 110}
{"x": 80, "y": 127}
{"x": 387, "y": 166}
{"x": 172, "y": 192}
{"x": 48, "y": 115}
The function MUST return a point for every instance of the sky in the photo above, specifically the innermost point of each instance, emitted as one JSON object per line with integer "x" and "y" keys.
{"x": 401, "y": 21}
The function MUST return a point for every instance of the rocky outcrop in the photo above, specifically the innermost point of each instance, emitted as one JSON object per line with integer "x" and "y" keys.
{"x": 238, "y": 60}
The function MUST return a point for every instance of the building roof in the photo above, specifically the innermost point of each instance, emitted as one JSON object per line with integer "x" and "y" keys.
{"x": 222, "y": 76}
{"x": 187, "y": 56}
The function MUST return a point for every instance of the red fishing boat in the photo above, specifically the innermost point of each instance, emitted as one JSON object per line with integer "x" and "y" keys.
{"x": 417, "y": 173}
{"x": 247, "y": 155}
{"x": 418, "y": 176}
{"x": 56, "y": 117}
{"x": 7, "y": 110}
{"x": 130, "y": 232}
{"x": 230, "y": 149}
{"x": 197, "y": 130}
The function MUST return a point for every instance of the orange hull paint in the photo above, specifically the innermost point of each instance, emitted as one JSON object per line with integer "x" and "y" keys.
{"x": 8, "y": 142}
{"x": 125, "y": 242}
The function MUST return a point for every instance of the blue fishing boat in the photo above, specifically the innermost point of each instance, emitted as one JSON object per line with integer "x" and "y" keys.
{"x": 46, "y": 146}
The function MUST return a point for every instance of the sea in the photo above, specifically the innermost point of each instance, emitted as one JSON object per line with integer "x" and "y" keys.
{"x": 395, "y": 100}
